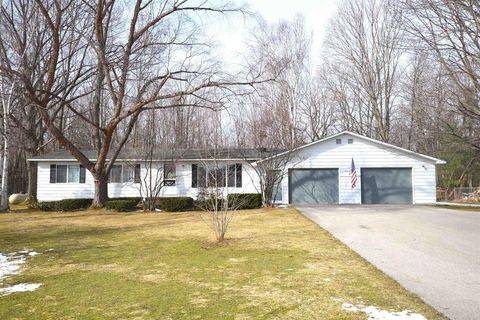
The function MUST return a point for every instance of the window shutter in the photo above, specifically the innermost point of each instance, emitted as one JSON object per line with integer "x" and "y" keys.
{"x": 194, "y": 176}
{"x": 137, "y": 174}
{"x": 53, "y": 173}
{"x": 238, "y": 173}
{"x": 82, "y": 174}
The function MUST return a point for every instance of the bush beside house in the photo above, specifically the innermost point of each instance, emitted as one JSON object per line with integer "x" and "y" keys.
{"x": 175, "y": 204}
{"x": 119, "y": 204}
{"x": 169, "y": 204}
{"x": 245, "y": 200}
{"x": 122, "y": 205}
{"x": 65, "y": 205}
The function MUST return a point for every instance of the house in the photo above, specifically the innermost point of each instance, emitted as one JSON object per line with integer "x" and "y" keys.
{"x": 345, "y": 168}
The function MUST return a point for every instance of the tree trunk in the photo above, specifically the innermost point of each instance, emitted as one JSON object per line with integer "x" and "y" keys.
{"x": 32, "y": 181}
{"x": 5, "y": 160}
{"x": 101, "y": 191}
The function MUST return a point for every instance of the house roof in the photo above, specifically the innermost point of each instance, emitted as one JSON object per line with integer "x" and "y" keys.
{"x": 384, "y": 144}
{"x": 252, "y": 154}
{"x": 165, "y": 155}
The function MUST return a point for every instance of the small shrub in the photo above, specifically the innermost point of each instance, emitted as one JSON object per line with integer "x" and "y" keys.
{"x": 73, "y": 204}
{"x": 122, "y": 205}
{"x": 245, "y": 200}
{"x": 176, "y": 204}
{"x": 47, "y": 205}
{"x": 64, "y": 205}
{"x": 137, "y": 199}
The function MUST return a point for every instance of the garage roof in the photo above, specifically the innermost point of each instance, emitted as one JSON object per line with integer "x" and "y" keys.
{"x": 356, "y": 135}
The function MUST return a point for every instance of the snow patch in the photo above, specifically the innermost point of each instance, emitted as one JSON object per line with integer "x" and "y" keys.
{"x": 21, "y": 287}
{"x": 375, "y": 313}
{"x": 10, "y": 264}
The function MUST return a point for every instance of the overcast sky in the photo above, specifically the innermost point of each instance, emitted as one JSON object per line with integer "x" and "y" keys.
{"x": 231, "y": 33}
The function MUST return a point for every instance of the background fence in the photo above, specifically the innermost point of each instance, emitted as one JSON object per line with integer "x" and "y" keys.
{"x": 458, "y": 193}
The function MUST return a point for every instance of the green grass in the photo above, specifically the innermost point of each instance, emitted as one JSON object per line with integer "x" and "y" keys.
{"x": 274, "y": 264}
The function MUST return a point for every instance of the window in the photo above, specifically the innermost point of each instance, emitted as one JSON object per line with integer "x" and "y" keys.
{"x": 238, "y": 175}
{"x": 339, "y": 141}
{"x": 350, "y": 141}
{"x": 169, "y": 174}
{"x": 116, "y": 174}
{"x": 202, "y": 176}
{"x": 124, "y": 173}
{"x": 231, "y": 176}
{"x": 61, "y": 173}
{"x": 73, "y": 173}
{"x": 216, "y": 175}
{"x": 128, "y": 174}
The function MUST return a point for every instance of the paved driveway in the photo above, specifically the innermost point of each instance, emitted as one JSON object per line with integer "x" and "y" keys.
{"x": 430, "y": 251}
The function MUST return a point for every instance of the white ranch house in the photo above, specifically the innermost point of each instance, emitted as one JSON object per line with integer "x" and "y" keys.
{"x": 316, "y": 173}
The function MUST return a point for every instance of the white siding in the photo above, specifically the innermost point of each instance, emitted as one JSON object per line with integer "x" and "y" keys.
{"x": 325, "y": 154}
{"x": 47, "y": 191}
{"x": 366, "y": 154}
{"x": 183, "y": 187}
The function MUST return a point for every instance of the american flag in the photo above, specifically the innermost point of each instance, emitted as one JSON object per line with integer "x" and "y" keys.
{"x": 353, "y": 175}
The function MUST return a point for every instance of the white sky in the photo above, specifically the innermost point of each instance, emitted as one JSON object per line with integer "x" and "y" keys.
{"x": 230, "y": 34}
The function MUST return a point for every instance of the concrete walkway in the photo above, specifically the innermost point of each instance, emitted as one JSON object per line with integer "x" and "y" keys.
{"x": 432, "y": 252}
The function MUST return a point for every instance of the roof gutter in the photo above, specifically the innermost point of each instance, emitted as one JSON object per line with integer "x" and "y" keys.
{"x": 138, "y": 160}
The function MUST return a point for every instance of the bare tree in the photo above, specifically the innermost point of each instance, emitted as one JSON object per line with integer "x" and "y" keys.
{"x": 363, "y": 50}
{"x": 281, "y": 51}
{"x": 158, "y": 160}
{"x": 449, "y": 29}
{"x": 10, "y": 83}
{"x": 88, "y": 40}
{"x": 6, "y": 102}
{"x": 22, "y": 39}
{"x": 271, "y": 172}
{"x": 215, "y": 177}
{"x": 213, "y": 196}
{"x": 318, "y": 113}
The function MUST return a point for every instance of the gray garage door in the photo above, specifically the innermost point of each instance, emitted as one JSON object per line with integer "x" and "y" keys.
{"x": 313, "y": 186}
{"x": 387, "y": 185}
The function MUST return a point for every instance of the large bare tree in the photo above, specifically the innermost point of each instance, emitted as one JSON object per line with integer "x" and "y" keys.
{"x": 282, "y": 51}
{"x": 450, "y": 30}
{"x": 112, "y": 42}
{"x": 363, "y": 51}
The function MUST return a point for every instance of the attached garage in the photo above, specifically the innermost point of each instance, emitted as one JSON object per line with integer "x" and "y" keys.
{"x": 348, "y": 168}
{"x": 313, "y": 186}
{"x": 386, "y": 185}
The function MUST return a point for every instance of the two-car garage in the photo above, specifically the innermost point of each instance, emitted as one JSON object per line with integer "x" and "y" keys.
{"x": 378, "y": 186}
{"x": 320, "y": 173}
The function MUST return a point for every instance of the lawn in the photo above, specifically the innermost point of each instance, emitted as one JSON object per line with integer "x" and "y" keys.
{"x": 104, "y": 265}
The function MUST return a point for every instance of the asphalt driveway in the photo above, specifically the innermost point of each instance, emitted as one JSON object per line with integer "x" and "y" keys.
{"x": 433, "y": 252}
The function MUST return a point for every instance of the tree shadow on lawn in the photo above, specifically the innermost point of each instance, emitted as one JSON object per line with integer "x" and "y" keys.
{"x": 48, "y": 236}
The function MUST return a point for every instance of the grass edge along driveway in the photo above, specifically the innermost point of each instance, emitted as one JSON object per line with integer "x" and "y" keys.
{"x": 275, "y": 264}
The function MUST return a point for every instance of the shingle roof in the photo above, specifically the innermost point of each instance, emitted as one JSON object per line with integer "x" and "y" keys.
{"x": 384, "y": 144}
{"x": 162, "y": 154}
